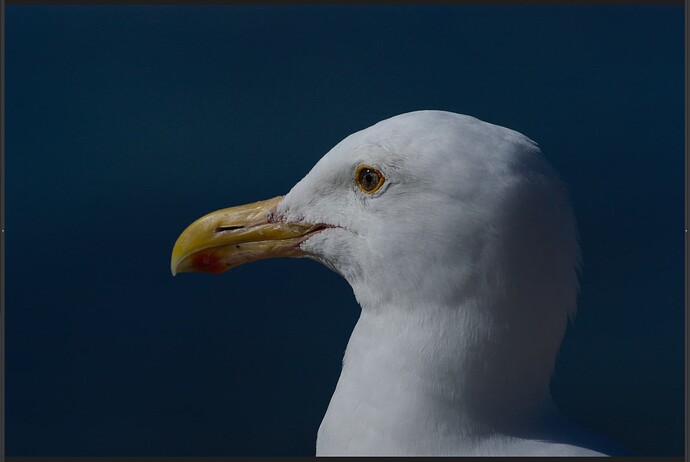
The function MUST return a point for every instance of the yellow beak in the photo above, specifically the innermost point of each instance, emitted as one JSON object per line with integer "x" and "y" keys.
{"x": 230, "y": 237}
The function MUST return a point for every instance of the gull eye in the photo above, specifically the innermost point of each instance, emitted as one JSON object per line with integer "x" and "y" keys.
{"x": 369, "y": 179}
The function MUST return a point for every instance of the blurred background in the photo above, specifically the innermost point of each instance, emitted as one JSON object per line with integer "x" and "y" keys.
{"x": 126, "y": 123}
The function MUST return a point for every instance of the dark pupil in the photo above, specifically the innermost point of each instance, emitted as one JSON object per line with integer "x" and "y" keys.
{"x": 369, "y": 180}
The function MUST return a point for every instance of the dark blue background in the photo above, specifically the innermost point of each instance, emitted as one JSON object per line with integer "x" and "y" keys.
{"x": 125, "y": 123}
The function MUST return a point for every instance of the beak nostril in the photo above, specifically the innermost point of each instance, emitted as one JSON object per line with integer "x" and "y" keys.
{"x": 220, "y": 229}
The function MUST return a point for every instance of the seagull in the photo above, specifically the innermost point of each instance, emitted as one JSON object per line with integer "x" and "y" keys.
{"x": 460, "y": 244}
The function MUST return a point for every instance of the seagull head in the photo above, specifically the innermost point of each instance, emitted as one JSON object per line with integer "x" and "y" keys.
{"x": 416, "y": 212}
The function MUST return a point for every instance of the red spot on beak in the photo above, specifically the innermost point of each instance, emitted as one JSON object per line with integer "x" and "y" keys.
{"x": 208, "y": 263}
